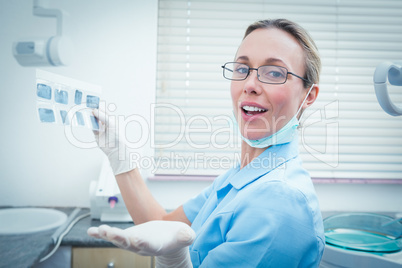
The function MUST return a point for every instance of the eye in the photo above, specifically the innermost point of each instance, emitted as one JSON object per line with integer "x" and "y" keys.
{"x": 242, "y": 69}
{"x": 275, "y": 75}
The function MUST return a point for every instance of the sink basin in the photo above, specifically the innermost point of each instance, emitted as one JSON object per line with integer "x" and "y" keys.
{"x": 29, "y": 220}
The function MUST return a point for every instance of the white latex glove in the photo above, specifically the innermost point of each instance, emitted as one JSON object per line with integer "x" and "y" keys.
{"x": 167, "y": 240}
{"x": 109, "y": 142}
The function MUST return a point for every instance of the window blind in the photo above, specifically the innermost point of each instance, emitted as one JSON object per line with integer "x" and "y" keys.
{"x": 345, "y": 134}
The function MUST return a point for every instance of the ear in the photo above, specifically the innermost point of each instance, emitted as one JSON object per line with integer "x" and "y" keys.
{"x": 311, "y": 97}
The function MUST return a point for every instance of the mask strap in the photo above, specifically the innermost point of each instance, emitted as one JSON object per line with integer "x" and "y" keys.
{"x": 305, "y": 98}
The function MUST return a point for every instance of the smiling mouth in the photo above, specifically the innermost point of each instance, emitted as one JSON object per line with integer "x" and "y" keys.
{"x": 252, "y": 110}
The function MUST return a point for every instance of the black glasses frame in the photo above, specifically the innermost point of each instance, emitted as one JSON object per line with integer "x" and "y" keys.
{"x": 258, "y": 76}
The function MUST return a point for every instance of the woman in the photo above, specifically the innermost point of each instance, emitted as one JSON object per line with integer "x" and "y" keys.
{"x": 264, "y": 212}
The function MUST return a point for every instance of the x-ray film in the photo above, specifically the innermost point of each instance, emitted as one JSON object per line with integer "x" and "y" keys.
{"x": 95, "y": 123}
{"x": 46, "y": 115}
{"x": 92, "y": 101}
{"x": 78, "y": 97}
{"x": 43, "y": 91}
{"x": 64, "y": 118}
{"x": 65, "y": 101}
{"x": 61, "y": 96}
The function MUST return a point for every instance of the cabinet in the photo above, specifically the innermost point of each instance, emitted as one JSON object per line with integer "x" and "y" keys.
{"x": 114, "y": 257}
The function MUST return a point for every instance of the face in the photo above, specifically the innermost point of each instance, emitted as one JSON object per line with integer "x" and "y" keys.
{"x": 262, "y": 109}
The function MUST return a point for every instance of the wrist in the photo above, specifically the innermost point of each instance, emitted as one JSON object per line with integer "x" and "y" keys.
{"x": 120, "y": 161}
{"x": 180, "y": 258}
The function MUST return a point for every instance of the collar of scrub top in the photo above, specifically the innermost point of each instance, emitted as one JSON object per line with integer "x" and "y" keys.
{"x": 252, "y": 171}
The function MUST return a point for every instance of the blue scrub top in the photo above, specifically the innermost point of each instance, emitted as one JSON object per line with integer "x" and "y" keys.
{"x": 263, "y": 215}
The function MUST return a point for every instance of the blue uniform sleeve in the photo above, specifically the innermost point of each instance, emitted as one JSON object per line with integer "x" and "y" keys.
{"x": 277, "y": 231}
{"x": 194, "y": 205}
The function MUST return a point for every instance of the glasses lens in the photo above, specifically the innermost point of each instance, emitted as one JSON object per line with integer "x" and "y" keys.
{"x": 235, "y": 71}
{"x": 272, "y": 74}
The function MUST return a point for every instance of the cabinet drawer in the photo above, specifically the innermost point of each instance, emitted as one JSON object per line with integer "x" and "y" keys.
{"x": 102, "y": 257}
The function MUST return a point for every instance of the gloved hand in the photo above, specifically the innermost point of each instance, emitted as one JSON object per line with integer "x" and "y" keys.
{"x": 112, "y": 145}
{"x": 167, "y": 240}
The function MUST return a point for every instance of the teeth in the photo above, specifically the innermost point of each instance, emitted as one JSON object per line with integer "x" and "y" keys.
{"x": 253, "y": 109}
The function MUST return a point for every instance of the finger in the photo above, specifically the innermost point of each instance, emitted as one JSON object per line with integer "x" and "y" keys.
{"x": 111, "y": 234}
{"x": 100, "y": 115}
{"x": 95, "y": 112}
{"x": 186, "y": 235}
{"x": 160, "y": 237}
{"x": 94, "y": 232}
{"x": 118, "y": 237}
{"x": 102, "y": 118}
{"x": 171, "y": 231}
{"x": 103, "y": 230}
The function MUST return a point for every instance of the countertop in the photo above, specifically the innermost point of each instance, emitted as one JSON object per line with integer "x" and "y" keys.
{"x": 26, "y": 250}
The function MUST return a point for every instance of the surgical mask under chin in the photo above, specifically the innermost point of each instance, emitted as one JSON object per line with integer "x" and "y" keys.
{"x": 285, "y": 135}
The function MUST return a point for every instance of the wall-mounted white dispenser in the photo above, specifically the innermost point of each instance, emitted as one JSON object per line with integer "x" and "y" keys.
{"x": 107, "y": 204}
{"x": 392, "y": 71}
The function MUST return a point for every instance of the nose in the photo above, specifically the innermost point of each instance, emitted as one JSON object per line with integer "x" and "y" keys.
{"x": 252, "y": 85}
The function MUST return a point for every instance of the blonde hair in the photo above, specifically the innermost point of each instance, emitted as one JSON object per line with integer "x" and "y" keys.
{"x": 312, "y": 57}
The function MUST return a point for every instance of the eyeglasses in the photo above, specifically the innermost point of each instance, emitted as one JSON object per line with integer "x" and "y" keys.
{"x": 269, "y": 74}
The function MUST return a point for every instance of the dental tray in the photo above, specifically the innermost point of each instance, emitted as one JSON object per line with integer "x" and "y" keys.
{"x": 364, "y": 232}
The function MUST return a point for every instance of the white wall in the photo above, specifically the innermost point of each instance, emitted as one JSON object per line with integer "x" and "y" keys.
{"x": 115, "y": 45}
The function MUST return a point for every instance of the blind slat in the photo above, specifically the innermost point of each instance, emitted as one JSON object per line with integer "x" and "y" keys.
{"x": 345, "y": 133}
